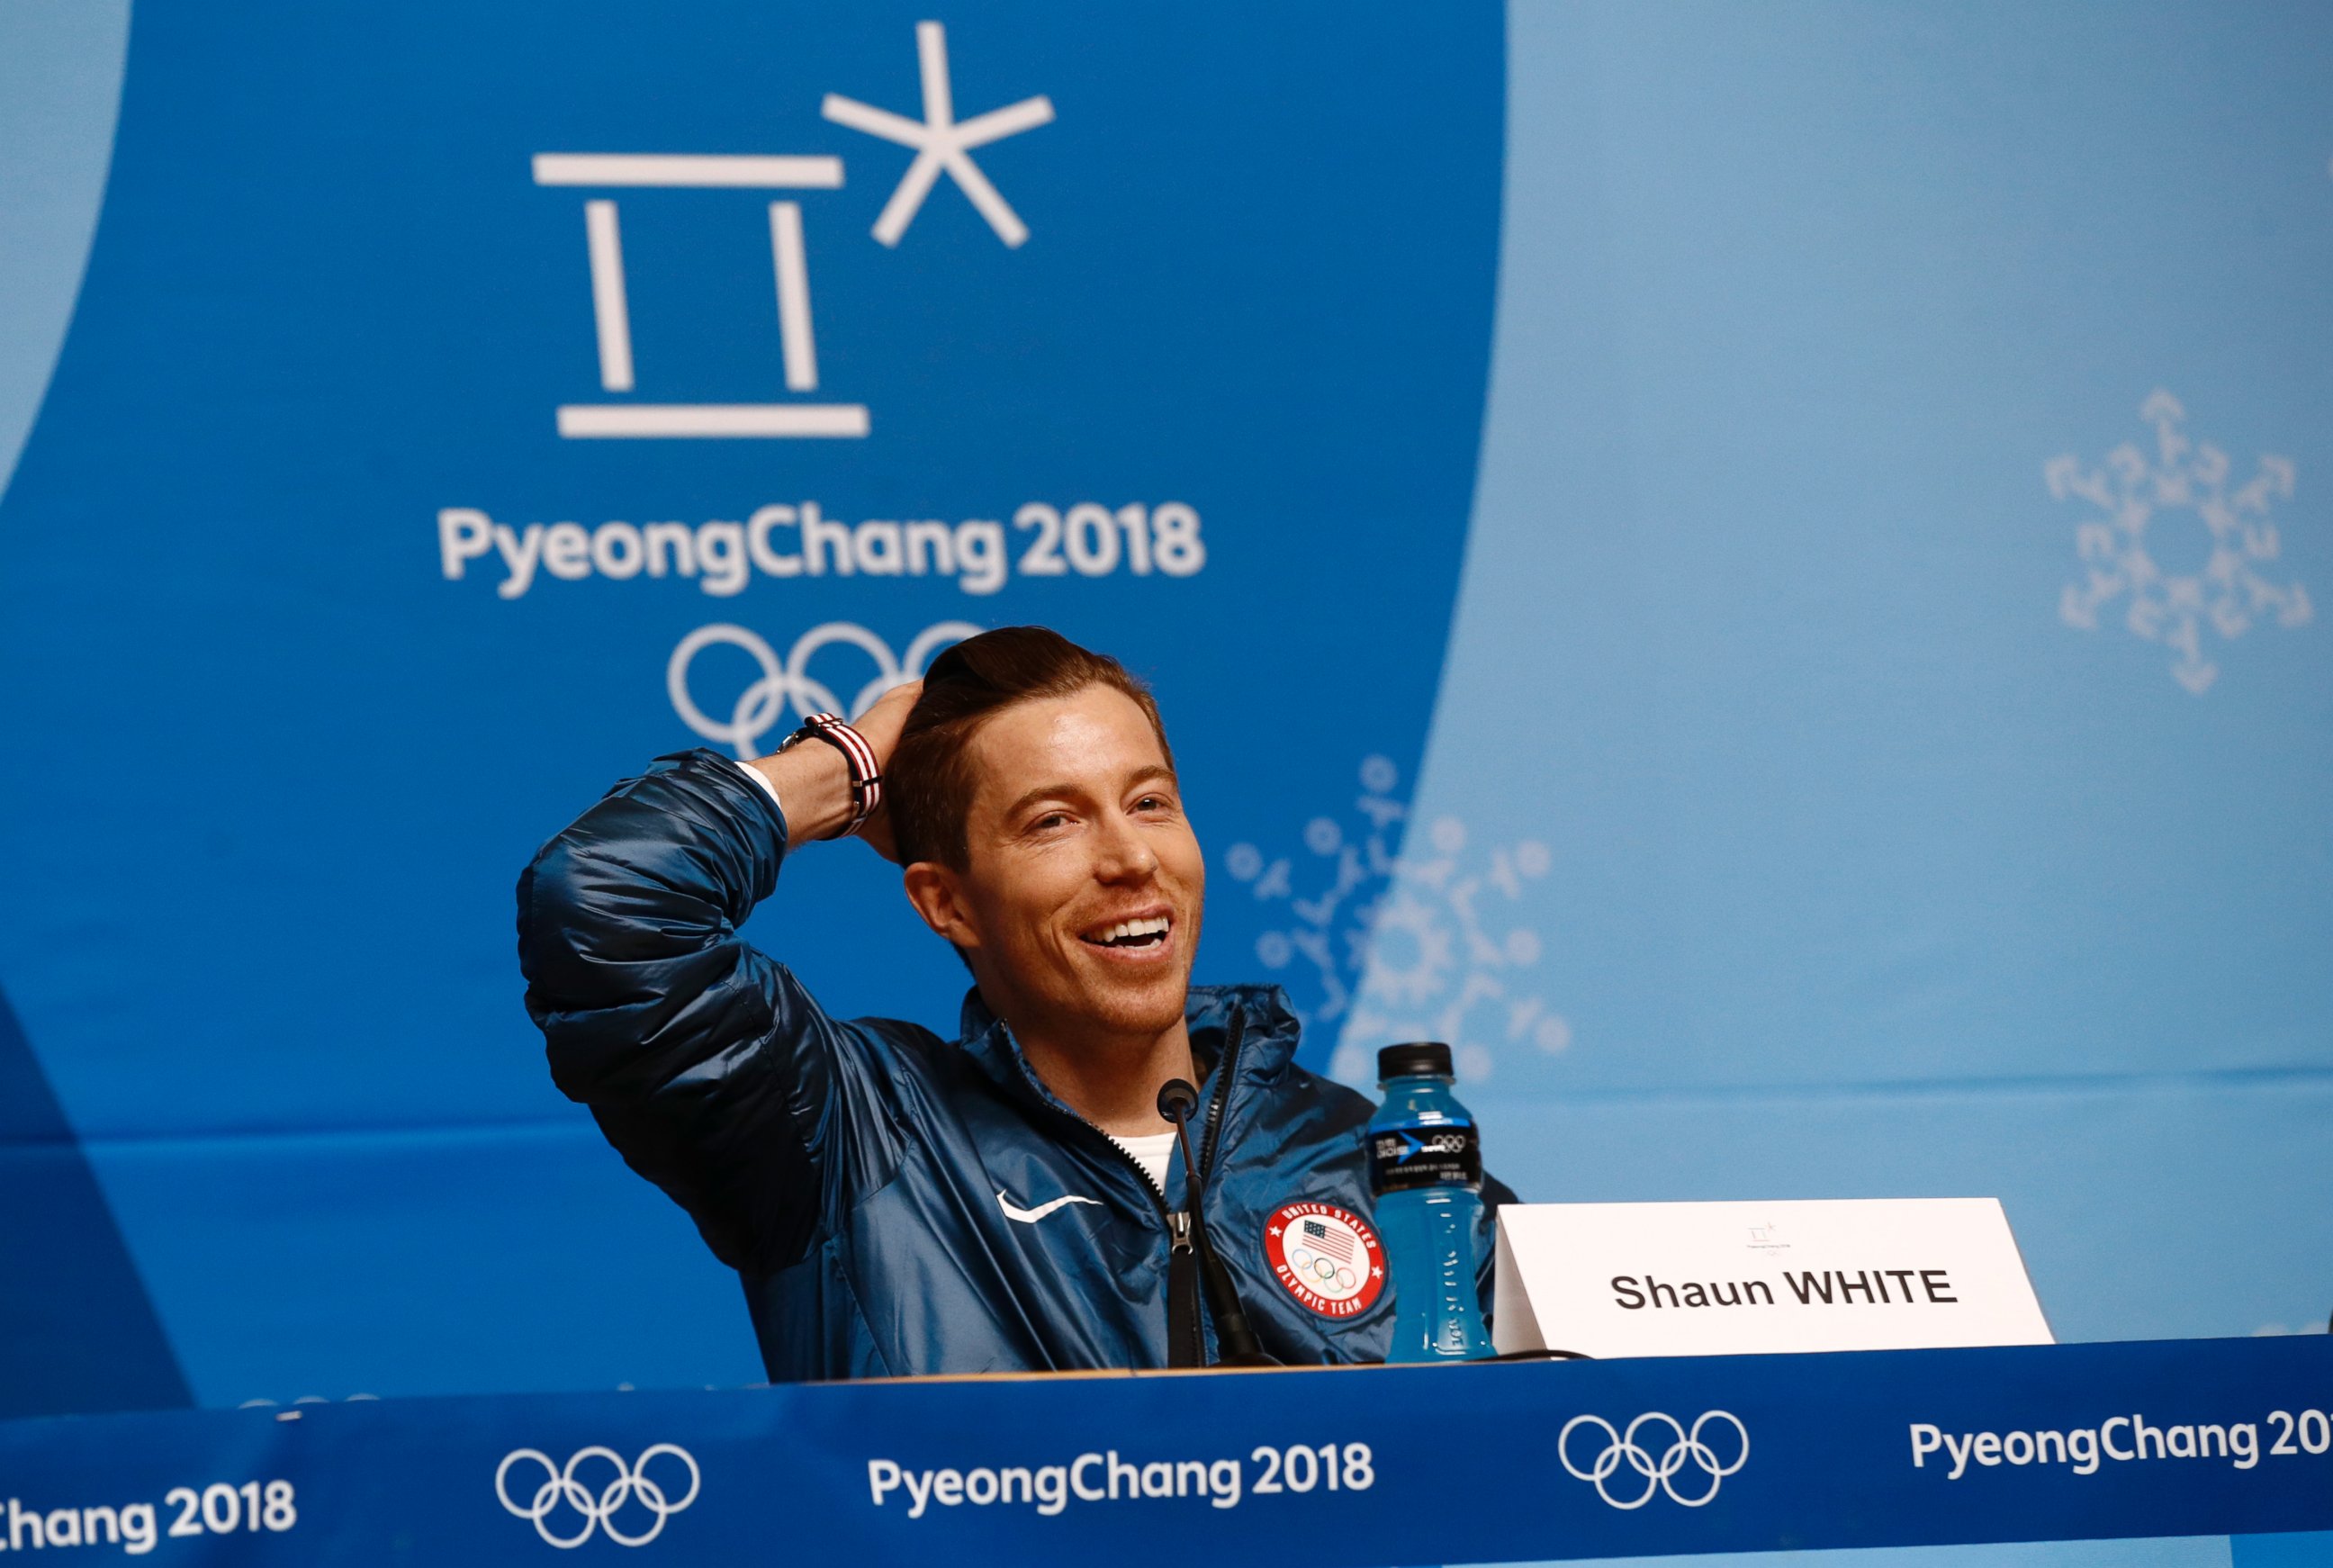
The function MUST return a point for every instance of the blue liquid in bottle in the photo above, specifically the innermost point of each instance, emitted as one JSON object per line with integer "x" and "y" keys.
{"x": 1426, "y": 1166}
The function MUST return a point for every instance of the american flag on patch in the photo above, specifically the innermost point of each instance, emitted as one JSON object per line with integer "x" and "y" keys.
{"x": 1335, "y": 1245}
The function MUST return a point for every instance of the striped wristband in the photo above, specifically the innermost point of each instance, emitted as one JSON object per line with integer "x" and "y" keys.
{"x": 866, "y": 780}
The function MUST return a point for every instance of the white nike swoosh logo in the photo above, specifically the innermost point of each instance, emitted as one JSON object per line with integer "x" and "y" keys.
{"x": 1031, "y": 1215}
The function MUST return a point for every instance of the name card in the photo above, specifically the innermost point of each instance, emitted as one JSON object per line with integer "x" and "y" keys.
{"x": 1693, "y": 1279}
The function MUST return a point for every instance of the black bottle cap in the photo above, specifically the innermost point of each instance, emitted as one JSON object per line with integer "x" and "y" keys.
{"x": 1418, "y": 1059}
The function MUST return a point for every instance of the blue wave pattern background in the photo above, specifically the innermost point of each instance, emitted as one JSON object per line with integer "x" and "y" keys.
{"x": 1846, "y": 718}
{"x": 1175, "y": 383}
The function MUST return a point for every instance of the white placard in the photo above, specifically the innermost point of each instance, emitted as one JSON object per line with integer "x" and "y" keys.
{"x": 1690, "y": 1279}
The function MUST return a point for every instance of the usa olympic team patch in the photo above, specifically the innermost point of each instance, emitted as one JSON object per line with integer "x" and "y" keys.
{"x": 1327, "y": 1258}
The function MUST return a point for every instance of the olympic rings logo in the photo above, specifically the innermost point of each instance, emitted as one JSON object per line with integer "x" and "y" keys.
{"x": 762, "y": 705}
{"x": 1659, "y": 1475}
{"x": 562, "y": 1490}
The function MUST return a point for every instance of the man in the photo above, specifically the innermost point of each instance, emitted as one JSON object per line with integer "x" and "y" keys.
{"x": 1010, "y": 1200}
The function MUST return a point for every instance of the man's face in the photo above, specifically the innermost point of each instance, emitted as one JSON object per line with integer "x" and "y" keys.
{"x": 1082, "y": 882}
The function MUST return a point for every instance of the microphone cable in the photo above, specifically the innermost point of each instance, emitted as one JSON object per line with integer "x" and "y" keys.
{"x": 1234, "y": 1336}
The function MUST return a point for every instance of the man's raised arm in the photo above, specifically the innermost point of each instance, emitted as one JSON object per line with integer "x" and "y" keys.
{"x": 706, "y": 1064}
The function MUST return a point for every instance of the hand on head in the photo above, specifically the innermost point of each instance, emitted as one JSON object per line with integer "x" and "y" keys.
{"x": 813, "y": 780}
{"x": 881, "y": 724}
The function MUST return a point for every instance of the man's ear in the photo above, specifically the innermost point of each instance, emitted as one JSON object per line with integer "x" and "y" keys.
{"x": 938, "y": 894}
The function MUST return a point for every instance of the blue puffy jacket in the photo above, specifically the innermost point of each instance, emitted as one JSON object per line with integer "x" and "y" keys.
{"x": 899, "y": 1204}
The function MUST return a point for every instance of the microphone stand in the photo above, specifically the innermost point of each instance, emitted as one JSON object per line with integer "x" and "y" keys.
{"x": 1234, "y": 1336}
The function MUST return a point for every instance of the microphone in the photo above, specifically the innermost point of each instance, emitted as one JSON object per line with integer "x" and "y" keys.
{"x": 1178, "y": 1102}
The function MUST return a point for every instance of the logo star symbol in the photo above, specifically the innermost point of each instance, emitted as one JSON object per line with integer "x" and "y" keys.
{"x": 941, "y": 142}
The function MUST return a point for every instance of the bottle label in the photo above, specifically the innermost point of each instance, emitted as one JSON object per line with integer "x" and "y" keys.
{"x": 1403, "y": 1159}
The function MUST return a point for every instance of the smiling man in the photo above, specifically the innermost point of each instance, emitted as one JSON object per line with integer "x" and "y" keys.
{"x": 1009, "y": 1200}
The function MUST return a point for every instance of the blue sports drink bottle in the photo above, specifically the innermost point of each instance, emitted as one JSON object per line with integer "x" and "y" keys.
{"x": 1426, "y": 1166}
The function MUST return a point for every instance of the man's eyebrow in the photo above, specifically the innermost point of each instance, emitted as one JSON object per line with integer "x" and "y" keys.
{"x": 1031, "y": 798}
{"x": 1156, "y": 770}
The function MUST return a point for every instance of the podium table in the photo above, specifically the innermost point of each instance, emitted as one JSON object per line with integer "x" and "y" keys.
{"x": 1481, "y": 1463}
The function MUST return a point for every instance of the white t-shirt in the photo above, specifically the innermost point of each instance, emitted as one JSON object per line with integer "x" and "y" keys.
{"x": 1154, "y": 1153}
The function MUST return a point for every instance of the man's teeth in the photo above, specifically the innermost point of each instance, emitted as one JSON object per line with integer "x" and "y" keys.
{"x": 1132, "y": 933}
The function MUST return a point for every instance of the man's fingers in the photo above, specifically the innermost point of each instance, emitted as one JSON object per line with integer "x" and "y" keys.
{"x": 882, "y": 722}
{"x": 881, "y": 726}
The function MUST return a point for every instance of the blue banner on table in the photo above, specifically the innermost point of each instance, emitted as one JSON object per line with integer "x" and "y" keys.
{"x": 1400, "y": 1464}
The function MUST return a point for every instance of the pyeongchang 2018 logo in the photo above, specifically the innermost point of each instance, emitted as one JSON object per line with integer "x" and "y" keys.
{"x": 980, "y": 546}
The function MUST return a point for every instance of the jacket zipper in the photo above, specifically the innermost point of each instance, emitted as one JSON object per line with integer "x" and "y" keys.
{"x": 1187, "y": 1341}
{"x": 1182, "y": 1260}
{"x": 1185, "y": 1338}
{"x": 1196, "y": 1187}
{"x": 1233, "y": 1033}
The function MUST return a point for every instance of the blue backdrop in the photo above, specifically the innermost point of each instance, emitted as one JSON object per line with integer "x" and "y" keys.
{"x": 1751, "y": 570}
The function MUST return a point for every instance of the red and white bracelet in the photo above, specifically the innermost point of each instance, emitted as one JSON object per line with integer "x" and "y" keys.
{"x": 866, "y": 779}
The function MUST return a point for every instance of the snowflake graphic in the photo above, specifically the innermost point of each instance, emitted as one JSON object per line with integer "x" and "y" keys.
{"x": 1419, "y": 947}
{"x": 1328, "y": 929}
{"x": 2133, "y": 493}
